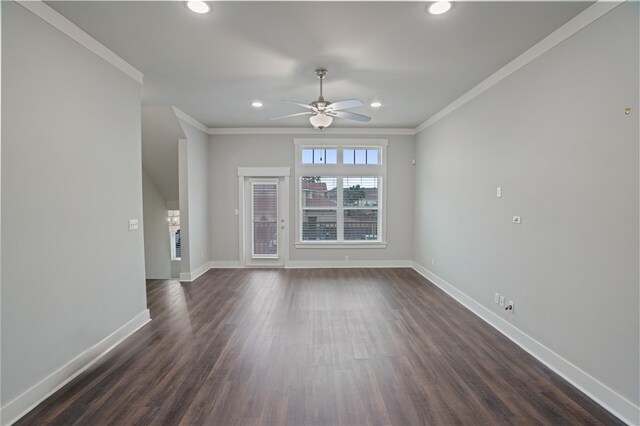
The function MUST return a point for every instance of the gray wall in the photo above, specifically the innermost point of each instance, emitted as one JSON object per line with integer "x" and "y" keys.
{"x": 554, "y": 136}
{"x": 160, "y": 134}
{"x": 72, "y": 273}
{"x": 157, "y": 247}
{"x": 195, "y": 215}
{"x": 228, "y": 152}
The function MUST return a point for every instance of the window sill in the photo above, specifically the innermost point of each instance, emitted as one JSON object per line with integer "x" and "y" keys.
{"x": 342, "y": 245}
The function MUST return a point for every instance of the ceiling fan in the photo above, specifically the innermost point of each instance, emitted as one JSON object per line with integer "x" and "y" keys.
{"x": 322, "y": 112}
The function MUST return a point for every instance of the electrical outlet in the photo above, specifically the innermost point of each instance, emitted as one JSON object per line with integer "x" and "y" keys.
{"x": 502, "y": 301}
{"x": 499, "y": 192}
{"x": 496, "y": 298}
{"x": 516, "y": 219}
{"x": 513, "y": 307}
{"x": 346, "y": 258}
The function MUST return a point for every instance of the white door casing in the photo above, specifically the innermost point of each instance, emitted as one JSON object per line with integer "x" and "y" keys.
{"x": 270, "y": 249}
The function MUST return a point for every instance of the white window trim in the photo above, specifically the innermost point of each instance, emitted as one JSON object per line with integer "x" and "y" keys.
{"x": 341, "y": 170}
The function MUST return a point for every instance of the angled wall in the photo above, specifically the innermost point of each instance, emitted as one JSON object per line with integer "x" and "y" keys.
{"x": 160, "y": 135}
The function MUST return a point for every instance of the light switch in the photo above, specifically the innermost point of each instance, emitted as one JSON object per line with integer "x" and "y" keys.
{"x": 499, "y": 192}
{"x": 516, "y": 219}
{"x": 133, "y": 224}
{"x": 237, "y": 212}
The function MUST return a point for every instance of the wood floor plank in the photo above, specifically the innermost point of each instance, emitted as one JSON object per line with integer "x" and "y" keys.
{"x": 314, "y": 347}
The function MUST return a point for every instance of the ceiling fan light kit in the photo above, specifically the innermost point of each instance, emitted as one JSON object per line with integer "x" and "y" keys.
{"x": 200, "y": 7}
{"x": 320, "y": 120}
{"x": 323, "y": 112}
{"x": 439, "y": 7}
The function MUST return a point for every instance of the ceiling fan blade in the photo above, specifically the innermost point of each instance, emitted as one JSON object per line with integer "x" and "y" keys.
{"x": 349, "y": 116}
{"x": 300, "y": 104}
{"x": 346, "y": 104}
{"x": 292, "y": 115}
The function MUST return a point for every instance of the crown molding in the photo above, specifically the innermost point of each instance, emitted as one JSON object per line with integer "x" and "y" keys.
{"x": 580, "y": 21}
{"x": 308, "y": 131}
{"x": 71, "y": 30}
{"x": 290, "y": 130}
{"x": 181, "y": 115}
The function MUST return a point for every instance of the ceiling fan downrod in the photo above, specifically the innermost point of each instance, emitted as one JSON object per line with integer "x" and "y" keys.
{"x": 321, "y": 73}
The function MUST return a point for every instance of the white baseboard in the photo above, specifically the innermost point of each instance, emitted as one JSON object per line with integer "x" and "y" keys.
{"x": 28, "y": 400}
{"x": 303, "y": 264}
{"x": 224, "y": 264}
{"x": 615, "y": 403}
{"x": 193, "y": 275}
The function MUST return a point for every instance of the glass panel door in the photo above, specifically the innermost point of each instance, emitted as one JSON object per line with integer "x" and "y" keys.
{"x": 264, "y": 219}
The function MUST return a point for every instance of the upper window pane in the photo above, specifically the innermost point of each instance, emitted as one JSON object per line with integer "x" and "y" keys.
{"x": 348, "y": 156}
{"x": 372, "y": 156}
{"x": 361, "y": 156}
{"x": 318, "y": 156}
{"x": 319, "y": 192}
{"x": 331, "y": 156}
{"x": 360, "y": 191}
{"x": 307, "y": 156}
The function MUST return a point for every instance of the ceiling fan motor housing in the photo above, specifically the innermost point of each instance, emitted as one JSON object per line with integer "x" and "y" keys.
{"x": 320, "y": 104}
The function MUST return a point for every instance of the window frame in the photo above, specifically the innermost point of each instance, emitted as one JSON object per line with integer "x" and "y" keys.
{"x": 340, "y": 171}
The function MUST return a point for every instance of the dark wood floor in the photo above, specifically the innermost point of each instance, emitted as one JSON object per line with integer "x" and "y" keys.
{"x": 315, "y": 347}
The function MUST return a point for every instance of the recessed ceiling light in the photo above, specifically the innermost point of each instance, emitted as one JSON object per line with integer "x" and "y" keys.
{"x": 376, "y": 104}
{"x": 439, "y": 7}
{"x": 198, "y": 6}
{"x": 256, "y": 104}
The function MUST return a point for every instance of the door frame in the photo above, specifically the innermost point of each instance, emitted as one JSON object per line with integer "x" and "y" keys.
{"x": 245, "y": 173}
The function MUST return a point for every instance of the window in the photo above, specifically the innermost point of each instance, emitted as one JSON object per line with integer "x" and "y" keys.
{"x": 174, "y": 234}
{"x": 360, "y": 156}
{"x": 319, "y": 156}
{"x": 340, "y": 192}
{"x": 325, "y": 218}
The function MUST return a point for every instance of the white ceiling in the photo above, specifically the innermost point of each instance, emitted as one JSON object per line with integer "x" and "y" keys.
{"x": 212, "y": 66}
